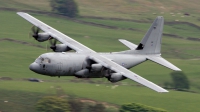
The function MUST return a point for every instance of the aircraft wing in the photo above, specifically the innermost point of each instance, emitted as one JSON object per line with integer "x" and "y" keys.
{"x": 125, "y": 72}
{"x": 78, "y": 47}
{"x": 92, "y": 54}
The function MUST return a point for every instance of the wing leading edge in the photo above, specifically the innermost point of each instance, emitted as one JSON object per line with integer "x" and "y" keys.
{"x": 92, "y": 54}
{"x": 56, "y": 34}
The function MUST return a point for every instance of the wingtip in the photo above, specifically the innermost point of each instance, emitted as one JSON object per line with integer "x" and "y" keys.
{"x": 120, "y": 39}
{"x": 164, "y": 91}
{"x": 21, "y": 13}
{"x": 177, "y": 69}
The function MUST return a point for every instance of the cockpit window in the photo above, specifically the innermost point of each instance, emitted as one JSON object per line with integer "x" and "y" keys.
{"x": 42, "y": 60}
{"x": 38, "y": 60}
{"x": 46, "y": 60}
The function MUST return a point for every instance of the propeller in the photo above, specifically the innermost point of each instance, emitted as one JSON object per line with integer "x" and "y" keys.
{"x": 35, "y": 31}
{"x": 53, "y": 44}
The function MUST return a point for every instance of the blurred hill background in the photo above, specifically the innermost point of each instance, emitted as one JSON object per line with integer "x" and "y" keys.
{"x": 99, "y": 26}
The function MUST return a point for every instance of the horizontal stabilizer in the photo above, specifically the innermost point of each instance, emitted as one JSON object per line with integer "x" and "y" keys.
{"x": 163, "y": 62}
{"x": 128, "y": 44}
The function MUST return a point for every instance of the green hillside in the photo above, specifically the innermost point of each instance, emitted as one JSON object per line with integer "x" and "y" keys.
{"x": 18, "y": 51}
{"x": 16, "y": 57}
{"x": 125, "y": 9}
{"x": 42, "y": 5}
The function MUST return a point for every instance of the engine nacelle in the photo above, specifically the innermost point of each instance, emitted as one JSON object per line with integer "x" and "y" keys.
{"x": 41, "y": 37}
{"x": 115, "y": 77}
{"x": 82, "y": 74}
{"x": 96, "y": 67}
{"x": 61, "y": 48}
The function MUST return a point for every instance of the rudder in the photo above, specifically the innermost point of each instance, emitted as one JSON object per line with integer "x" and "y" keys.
{"x": 151, "y": 42}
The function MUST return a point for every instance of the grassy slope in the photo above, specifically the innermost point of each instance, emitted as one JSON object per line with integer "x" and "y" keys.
{"x": 172, "y": 101}
{"x": 172, "y": 48}
{"x": 18, "y": 101}
{"x": 141, "y": 9}
{"x": 138, "y": 10}
{"x": 42, "y": 5}
{"x": 15, "y": 59}
{"x": 181, "y": 30}
{"x": 127, "y": 9}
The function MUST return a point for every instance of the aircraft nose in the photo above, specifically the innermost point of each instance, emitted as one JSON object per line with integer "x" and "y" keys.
{"x": 34, "y": 67}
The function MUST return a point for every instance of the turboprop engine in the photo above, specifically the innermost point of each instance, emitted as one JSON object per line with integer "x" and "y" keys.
{"x": 82, "y": 73}
{"x": 111, "y": 75}
{"x": 40, "y": 37}
{"x": 115, "y": 77}
{"x": 59, "y": 47}
{"x": 96, "y": 67}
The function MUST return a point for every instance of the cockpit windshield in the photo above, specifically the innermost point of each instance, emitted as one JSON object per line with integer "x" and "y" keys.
{"x": 42, "y": 60}
{"x": 46, "y": 60}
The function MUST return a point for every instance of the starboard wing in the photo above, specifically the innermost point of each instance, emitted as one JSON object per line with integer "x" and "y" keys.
{"x": 125, "y": 72}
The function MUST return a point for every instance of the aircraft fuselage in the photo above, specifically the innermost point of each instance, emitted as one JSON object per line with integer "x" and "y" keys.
{"x": 68, "y": 64}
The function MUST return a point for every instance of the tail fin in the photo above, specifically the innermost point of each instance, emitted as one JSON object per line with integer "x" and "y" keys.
{"x": 151, "y": 42}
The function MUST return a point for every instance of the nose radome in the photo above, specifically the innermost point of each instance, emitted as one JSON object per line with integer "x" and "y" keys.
{"x": 34, "y": 67}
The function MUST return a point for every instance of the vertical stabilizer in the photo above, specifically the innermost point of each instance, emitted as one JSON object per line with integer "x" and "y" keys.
{"x": 151, "y": 42}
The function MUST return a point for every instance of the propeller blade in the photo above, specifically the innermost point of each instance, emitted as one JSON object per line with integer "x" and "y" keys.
{"x": 50, "y": 41}
{"x": 55, "y": 41}
{"x": 53, "y": 44}
{"x": 35, "y": 31}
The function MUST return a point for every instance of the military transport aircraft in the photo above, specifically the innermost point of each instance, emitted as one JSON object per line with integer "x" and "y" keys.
{"x": 86, "y": 63}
